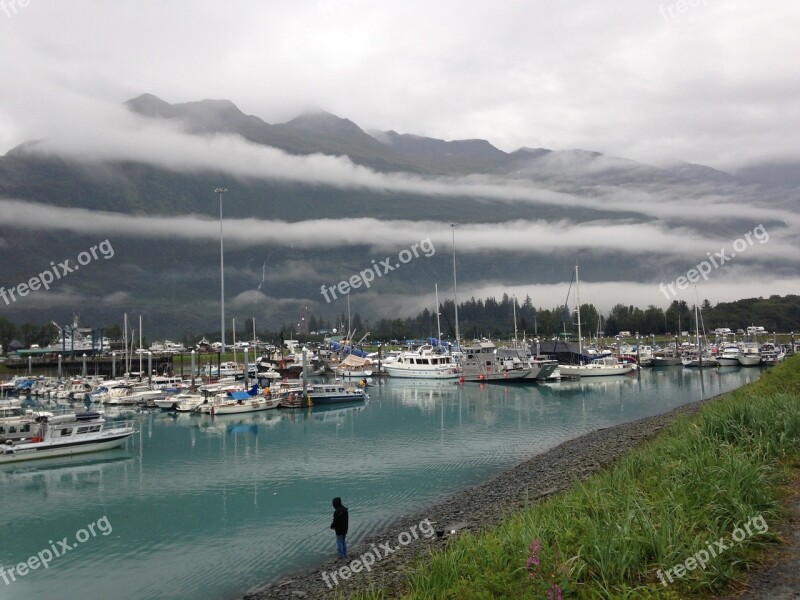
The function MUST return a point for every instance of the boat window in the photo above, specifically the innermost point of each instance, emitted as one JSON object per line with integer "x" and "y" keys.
{"x": 12, "y": 429}
{"x": 25, "y": 428}
{"x": 66, "y": 431}
{"x": 83, "y": 429}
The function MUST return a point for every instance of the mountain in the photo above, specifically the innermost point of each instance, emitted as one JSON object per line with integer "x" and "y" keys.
{"x": 171, "y": 275}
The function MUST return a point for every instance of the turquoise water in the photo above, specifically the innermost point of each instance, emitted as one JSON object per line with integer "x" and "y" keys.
{"x": 209, "y": 507}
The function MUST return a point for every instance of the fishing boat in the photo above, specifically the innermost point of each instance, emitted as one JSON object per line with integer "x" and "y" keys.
{"x": 424, "y": 363}
{"x": 480, "y": 362}
{"x": 65, "y": 435}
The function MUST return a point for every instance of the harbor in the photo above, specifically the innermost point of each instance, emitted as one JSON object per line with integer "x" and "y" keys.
{"x": 213, "y": 507}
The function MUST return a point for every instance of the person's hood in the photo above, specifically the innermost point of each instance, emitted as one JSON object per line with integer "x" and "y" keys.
{"x": 337, "y": 502}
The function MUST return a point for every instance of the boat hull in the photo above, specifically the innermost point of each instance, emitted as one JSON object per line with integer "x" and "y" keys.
{"x": 406, "y": 373}
{"x": 594, "y": 371}
{"x": 35, "y": 451}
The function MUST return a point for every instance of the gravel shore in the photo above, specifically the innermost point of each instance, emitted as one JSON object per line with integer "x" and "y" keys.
{"x": 476, "y": 507}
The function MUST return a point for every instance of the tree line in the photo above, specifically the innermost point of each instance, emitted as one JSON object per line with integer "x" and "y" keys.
{"x": 494, "y": 318}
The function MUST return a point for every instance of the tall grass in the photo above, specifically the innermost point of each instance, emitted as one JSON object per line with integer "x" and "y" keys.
{"x": 609, "y": 535}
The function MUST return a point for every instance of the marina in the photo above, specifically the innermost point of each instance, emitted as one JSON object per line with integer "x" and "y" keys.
{"x": 212, "y": 506}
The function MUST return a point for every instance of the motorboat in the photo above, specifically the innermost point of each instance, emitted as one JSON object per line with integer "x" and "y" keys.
{"x": 750, "y": 354}
{"x": 729, "y": 355}
{"x": 480, "y": 362}
{"x": 771, "y": 354}
{"x": 424, "y": 363}
{"x": 321, "y": 394}
{"x": 65, "y": 435}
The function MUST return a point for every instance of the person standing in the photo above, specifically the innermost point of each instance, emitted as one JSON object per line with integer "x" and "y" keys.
{"x": 339, "y": 526}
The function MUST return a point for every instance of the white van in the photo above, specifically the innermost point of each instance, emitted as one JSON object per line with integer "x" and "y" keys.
{"x": 754, "y": 330}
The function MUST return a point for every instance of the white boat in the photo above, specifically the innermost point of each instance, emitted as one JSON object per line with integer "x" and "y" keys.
{"x": 701, "y": 357}
{"x": 598, "y": 367}
{"x": 601, "y": 366}
{"x": 700, "y": 360}
{"x": 729, "y": 355}
{"x": 750, "y": 355}
{"x": 65, "y": 435}
{"x": 424, "y": 363}
{"x": 244, "y": 402}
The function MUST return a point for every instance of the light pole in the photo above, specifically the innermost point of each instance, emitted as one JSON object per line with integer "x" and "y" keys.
{"x": 455, "y": 286}
{"x": 221, "y": 191}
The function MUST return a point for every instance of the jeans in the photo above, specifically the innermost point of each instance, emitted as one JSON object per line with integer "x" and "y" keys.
{"x": 341, "y": 545}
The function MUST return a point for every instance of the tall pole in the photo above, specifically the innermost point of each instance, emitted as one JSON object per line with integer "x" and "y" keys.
{"x": 455, "y": 286}
{"x": 438, "y": 324}
{"x": 221, "y": 191}
{"x": 578, "y": 300}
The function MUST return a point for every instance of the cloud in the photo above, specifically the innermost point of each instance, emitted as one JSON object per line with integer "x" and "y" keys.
{"x": 383, "y": 236}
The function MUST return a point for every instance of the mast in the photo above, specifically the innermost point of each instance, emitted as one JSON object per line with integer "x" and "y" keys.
{"x": 127, "y": 356}
{"x": 514, "y": 299}
{"x": 140, "y": 347}
{"x": 455, "y": 286}
{"x": 578, "y": 299}
{"x": 438, "y": 325}
{"x": 348, "y": 318}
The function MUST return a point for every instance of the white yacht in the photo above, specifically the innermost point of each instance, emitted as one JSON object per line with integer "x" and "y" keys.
{"x": 424, "y": 363}
{"x": 750, "y": 355}
{"x": 729, "y": 355}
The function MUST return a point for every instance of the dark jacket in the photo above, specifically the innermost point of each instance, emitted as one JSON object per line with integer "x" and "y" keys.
{"x": 340, "y": 518}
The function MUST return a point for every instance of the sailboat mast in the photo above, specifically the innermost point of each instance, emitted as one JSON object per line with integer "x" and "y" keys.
{"x": 438, "y": 325}
{"x": 514, "y": 298}
{"x": 578, "y": 300}
{"x": 455, "y": 286}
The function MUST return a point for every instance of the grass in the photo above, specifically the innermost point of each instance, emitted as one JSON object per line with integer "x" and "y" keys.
{"x": 662, "y": 503}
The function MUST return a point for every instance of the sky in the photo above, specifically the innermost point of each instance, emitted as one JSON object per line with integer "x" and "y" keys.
{"x": 702, "y": 81}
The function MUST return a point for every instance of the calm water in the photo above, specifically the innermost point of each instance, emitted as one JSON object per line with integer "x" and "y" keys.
{"x": 207, "y": 508}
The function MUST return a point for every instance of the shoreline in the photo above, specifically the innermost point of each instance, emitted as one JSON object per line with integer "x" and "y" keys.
{"x": 476, "y": 507}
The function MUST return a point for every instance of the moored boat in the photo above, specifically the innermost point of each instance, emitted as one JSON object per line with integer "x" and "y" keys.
{"x": 750, "y": 355}
{"x": 480, "y": 362}
{"x": 65, "y": 435}
{"x": 424, "y": 363}
{"x": 729, "y": 355}
{"x": 599, "y": 367}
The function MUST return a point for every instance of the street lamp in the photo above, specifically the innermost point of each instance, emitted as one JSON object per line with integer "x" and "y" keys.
{"x": 221, "y": 191}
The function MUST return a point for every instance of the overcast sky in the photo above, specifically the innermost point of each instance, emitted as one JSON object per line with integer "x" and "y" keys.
{"x": 718, "y": 83}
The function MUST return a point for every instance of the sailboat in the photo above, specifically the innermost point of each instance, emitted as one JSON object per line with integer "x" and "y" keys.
{"x": 702, "y": 357}
{"x": 599, "y": 367}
